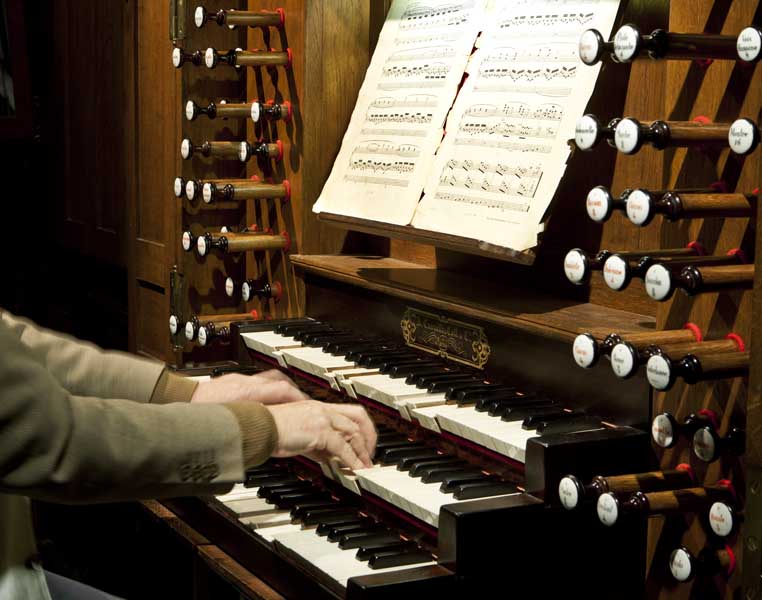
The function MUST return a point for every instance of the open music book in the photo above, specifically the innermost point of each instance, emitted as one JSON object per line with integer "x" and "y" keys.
{"x": 492, "y": 172}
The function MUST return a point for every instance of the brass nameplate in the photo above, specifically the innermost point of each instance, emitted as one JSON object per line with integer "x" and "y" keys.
{"x": 445, "y": 337}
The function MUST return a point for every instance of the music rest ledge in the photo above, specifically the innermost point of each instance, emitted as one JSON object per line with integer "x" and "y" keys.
{"x": 528, "y": 311}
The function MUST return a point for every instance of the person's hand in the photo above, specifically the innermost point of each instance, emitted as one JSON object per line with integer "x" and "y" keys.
{"x": 324, "y": 431}
{"x": 268, "y": 387}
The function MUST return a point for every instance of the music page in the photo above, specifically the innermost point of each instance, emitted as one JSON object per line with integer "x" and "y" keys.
{"x": 388, "y": 150}
{"x": 508, "y": 133}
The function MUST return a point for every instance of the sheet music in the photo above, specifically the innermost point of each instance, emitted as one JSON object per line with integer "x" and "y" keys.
{"x": 506, "y": 146}
{"x": 388, "y": 150}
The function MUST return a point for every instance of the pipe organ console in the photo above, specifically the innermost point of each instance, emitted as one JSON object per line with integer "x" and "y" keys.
{"x": 499, "y": 459}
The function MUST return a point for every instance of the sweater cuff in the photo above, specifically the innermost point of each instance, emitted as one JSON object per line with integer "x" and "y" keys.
{"x": 259, "y": 435}
{"x": 172, "y": 388}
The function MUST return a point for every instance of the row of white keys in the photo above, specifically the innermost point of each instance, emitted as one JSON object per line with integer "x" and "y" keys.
{"x": 326, "y": 556}
{"x": 504, "y": 437}
{"x": 411, "y": 494}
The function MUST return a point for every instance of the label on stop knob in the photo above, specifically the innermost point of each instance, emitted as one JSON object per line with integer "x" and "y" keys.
{"x": 742, "y": 136}
{"x": 187, "y": 240}
{"x": 658, "y": 281}
{"x": 615, "y": 272}
{"x": 704, "y": 445}
{"x": 749, "y": 44}
{"x": 638, "y": 207}
{"x": 627, "y": 136}
{"x": 680, "y": 565}
{"x": 189, "y": 332}
{"x": 721, "y": 519}
{"x": 229, "y": 287}
{"x": 607, "y": 509}
{"x": 173, "y": 323}
{"x": 575, "y": 266}
{"x": 255, "y": 111}
{"x": 209, "y": 58}
{"x": 186, "y": 148}
{"x": 622, "y": 360}
{"x": 201, "y": 245}
{"x": 590, "y": 47}
{"x": 626, "y": 43}
{"x": 659, "y": 372}
{"x": 202, "y": 336}
{"x": 246, "y": 291}
{"x": 178, "y": 187}
{"x": 662, "y": 432}
{"x": 568, "y": 493}
{"x": 598, "y": 204}
{"x": 177, "y": 57}
{"x": 584, "y": 350}
{"x": 586, "y": 132}
{"x": 206, "y": 192}
{"x": 198, "y": 16}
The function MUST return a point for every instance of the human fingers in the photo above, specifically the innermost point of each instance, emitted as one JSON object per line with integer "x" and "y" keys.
{"x": 277, "y": 392}
{"x": 351, "y": 432}
{"x": 360, "y": 417}
{"x": 337, "y": 446}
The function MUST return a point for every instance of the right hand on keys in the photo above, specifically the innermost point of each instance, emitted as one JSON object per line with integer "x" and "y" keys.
{"x": 324, "y": 431}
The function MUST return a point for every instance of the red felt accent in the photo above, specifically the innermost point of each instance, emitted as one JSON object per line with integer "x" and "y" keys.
{"x": 280, "y": 151}
{"x": 254, "y": 178}
{"x": 719, "y": 186}
{"x": 287, "y": 247}
{"x": 255, "y": 314}
{"x": 698, "y": 248}
{"x": 686, "y": 467}
{"x": 287, "y": 186}
{"x": 277, "y": 290}
{"x": 703, "y": 120}
{"x": 726, "y": 483}
{"x": 738, "y": 340}
{"x": 289, "y": 110}
{"x": 711, "y": 415}
{"x": 704, "y": 62}
{"x": 740, "y": 254}
{"x": 697, "y": 333}
{"x": 282, "y": 14}
{"x": 732, "y": 557}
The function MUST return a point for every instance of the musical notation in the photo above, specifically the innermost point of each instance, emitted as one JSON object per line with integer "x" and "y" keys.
{"x": 563, "y": 24}
{"x": 548, "y": 74}
{"x": 488, "y": 203}
{"x": 505, "y": 128}
{"x": 416, "y": 40}
{"x": 565, "y": 52}
{"x": 411, "y": 101}
{"x": 431, "y": 71}
{"x": 517, "y": 146}
{"x": 422, "y": 54}
{"x": 486, "y": 177}
{"x": 541, "y": 90}
{"x": 384, "y": 147}
{"x": 427, "y": 17}
{"x": 519, "y": 110}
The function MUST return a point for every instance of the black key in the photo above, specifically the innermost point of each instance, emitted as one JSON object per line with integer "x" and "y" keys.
{"x": 384, "y": 560}
{"x": 287, "y": 501}
{"x": 257, "y": 480}
{"x": 437, "y": 387}
{"x": 581, "y": 423}
{"x": 412, "y": 378}
{"x": 318, "y": 340}
{"x": 297, "y": 512}
{"x": 330, "y": 522}
{"x": 395, "y": 455}
{"x": 315, "y": 517}
{"x": 449, "y": 484}
{"x": 522, "y": 413}
{"x": 391, "y": 443}
{"x": 467, "y": 491}
{"x": 423, "y": 381}
{"x": 267, "y": 468}
{"x": 498, "y": 409}
{"x": 452, "y": 392}
{"x": 336, "y": 533}
{"x": 387, "y": 367}
{"x": 409, "y": 462}
{"x": 376, "y": 361}
{"x": 405, "y": 371}
{"x": 532, "y": 421}
{"x": 294, "y": 484}
{"x": 341, "y": 348}
{"x": 482, "y": 404}
{"x": 478, "y": 396}
{"x": 349, "y": 541}
{"x": 365, "y": 552}
{"x": 445, "y": 474}
{"x": 356, "y": 353}
{"x": 240, "y": 369}
{"x": 376, "y": 351}
{"x": 300, "y": 335}
{"x": 286, "y": 328}
{"x": 273, "y": 494}
{"x": 392, "y": 454}
{"x": 421, "y": 468}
